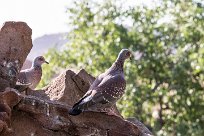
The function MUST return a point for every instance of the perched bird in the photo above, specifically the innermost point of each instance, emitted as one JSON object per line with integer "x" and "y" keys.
{"x": 107, "y": 88}
{"x": 33, "y": 75}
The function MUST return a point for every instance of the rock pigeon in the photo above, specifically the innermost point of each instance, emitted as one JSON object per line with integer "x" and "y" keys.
{"x": 107, "y": 88}
{"x": 33, "y": 75}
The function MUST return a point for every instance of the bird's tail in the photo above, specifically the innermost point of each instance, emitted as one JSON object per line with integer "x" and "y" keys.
{"x": 80, "y": 106}
{"x": 75, "y": 111}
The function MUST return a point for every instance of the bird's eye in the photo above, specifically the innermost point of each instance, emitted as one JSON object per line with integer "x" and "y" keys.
{"x": 128, "y": 54}
{"x": 40, "y": 59}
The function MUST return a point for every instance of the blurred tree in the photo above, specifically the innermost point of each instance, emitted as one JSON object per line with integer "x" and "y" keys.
{"x": 165, "y": 85}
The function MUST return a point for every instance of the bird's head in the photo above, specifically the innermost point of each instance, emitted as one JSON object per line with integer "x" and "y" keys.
{"x": 40, "y": 60}
{"x": 124, "y": 54}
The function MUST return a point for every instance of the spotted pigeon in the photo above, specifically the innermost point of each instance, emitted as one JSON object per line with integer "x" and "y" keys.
{"x": 107, "y": 88}
{"x": 33, "y": 75}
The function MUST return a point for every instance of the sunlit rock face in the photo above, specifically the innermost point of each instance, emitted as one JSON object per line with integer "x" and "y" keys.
{"x": 26, "y": 112}
{"x": 15, "y": 44}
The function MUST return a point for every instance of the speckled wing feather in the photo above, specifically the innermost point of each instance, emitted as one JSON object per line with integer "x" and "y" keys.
{"x": 30, "y": 76}
{"x": 22, "y": 78}
{"x": 108, "y": 91}
{"x": 90, "y": 92}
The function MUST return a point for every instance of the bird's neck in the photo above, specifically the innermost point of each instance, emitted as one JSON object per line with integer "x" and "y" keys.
{"x": 36, "y": 66}
{"x": 118, "y": 65}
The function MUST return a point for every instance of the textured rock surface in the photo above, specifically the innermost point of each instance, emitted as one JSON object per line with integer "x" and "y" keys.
{"x": 15, "y": 44}
{"x": 51, "y": 113}
{"x": 8, "y": 99}
{"x": 145, "y": 131}
{"x": 45, "y": 112}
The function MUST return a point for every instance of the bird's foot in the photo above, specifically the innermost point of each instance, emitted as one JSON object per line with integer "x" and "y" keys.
{"x": 107, "y": 111}
{"x": 111, "y": 112}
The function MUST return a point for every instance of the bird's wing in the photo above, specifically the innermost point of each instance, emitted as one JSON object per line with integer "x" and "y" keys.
{"x": 109, "y": 90}
{"x": 22, "y": 78}
{"x": 90, "y": 92}
{"x": 97, "y": 81}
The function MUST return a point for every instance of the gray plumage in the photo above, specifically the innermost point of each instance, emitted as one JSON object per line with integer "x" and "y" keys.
{"x": 106, "y": 89}
{"x": 33, "y": 75}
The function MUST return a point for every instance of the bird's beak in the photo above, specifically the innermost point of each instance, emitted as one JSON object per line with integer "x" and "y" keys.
{"x": 46, "y": 62}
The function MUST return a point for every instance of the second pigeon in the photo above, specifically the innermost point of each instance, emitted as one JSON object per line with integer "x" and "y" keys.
{"x": 33, "y": 75}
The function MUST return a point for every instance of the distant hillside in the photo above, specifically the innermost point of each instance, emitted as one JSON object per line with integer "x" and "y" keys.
{"x": 43, "y": 43}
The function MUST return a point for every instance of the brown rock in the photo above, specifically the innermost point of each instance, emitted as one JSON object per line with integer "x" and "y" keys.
{"x": 83, "y": 80}
{"x": 68, "y": 87}
{"x": 53, "y": 116}
{"x": 15, "y": 44}
{"x": 26, "y": 125}
{"x": 144, "y": 130}
{"x": 63, "y": 89}
{"x": 8, "y": 99}
{"x": 52, "y": 112}
{"x": 3, "y": 83}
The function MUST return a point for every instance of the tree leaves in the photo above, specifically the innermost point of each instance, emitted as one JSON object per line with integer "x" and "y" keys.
{"x": 168, "y": 42}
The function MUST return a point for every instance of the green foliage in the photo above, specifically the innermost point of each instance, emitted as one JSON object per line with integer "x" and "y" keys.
{"x": 168, "y": 36}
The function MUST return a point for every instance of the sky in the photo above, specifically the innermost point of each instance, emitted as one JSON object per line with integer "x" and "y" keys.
{"x": 43, "y": 16}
